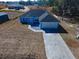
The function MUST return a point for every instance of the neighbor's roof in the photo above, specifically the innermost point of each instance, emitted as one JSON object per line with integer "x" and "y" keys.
{"x": 34, "y": 13}
{"x": 49, "y": 18}
{"x": 15, "y": 5}
{"x": 2, "y": 13}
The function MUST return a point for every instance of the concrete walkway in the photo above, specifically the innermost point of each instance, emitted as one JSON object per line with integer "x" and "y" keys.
{"x": 55, "y": 46}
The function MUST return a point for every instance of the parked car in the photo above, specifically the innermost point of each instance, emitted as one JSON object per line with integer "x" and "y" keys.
{"x": 77, "y": 36}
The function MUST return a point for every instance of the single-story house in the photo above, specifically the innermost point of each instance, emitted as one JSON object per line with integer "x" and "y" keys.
{"x": 3, "y": 17}
{"x": 15, "y": 6}
{"x": 32, "y": 17}
{"x": 41, "y": 18}
{"x": 49, "y": 22}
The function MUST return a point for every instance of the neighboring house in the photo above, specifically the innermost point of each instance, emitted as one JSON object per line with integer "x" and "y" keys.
{"x": 3, "y": 17}
{"x": 15, "y": 6}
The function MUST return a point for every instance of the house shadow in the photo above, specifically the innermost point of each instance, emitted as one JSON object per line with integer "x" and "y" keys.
{"x": 60, "y": 29}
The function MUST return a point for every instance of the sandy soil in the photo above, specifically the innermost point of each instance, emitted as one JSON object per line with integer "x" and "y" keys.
{"x": 74, "y": 46}
{"x": 18, "y": 42}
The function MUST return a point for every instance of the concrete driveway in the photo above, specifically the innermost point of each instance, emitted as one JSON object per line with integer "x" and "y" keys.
{"x": 55, "y": 46}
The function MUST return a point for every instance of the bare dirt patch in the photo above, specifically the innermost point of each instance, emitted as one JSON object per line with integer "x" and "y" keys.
{"x": 72, "y": 43}
{"x": 18, "y": 42}
{"x": 74, "y": 47}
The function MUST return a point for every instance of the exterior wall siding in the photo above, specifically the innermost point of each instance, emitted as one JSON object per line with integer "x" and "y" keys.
{"x": 30, "y": 20}
{"x": 49, "y": 25}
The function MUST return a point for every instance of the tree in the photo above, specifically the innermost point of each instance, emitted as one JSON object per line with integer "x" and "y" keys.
{"x": 57, "y": 5}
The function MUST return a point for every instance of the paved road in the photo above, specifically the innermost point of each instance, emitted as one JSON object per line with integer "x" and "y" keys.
{"x": 55, "y": 46}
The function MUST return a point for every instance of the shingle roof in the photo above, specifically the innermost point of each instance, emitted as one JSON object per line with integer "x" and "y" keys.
{"x": 49, "y": 18}
{"x": 34, "y": 13}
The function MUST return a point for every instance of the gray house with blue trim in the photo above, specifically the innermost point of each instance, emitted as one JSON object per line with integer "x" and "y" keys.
{"x": 15, "y": 6}
{"x": 41, "y": 18}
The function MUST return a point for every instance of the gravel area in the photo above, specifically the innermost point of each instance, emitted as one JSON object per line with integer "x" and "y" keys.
{"x": 18, "y": 42}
